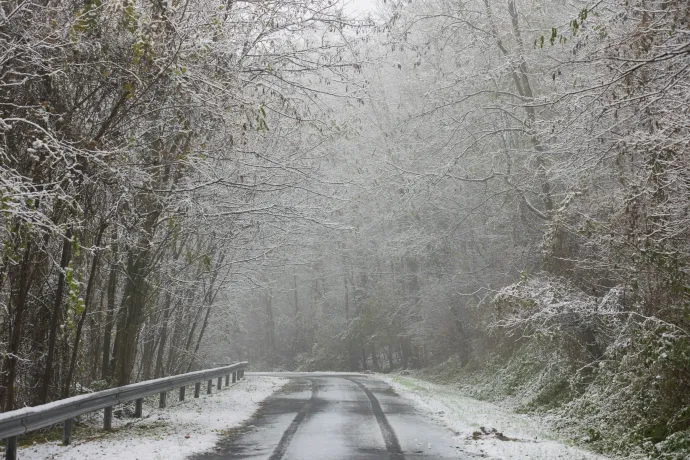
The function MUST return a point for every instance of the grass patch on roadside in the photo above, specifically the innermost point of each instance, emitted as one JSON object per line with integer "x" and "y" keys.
{"x": 83, "y": 432}
{"x": 407, "y": 383}
{"x": 53, "y": 434}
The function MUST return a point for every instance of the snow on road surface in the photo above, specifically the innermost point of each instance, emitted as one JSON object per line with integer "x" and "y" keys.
{"x": 338, "y": 417}
{"x": 516, "y": 436}
{"x": 182, "y": 429}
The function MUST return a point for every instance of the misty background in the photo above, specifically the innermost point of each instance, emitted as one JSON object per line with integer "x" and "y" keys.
{"x": 494, "y": 191}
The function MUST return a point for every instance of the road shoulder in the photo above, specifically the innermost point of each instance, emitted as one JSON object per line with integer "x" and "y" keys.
{"x": 484, "y": 428}
{"x": 173, "y": 433}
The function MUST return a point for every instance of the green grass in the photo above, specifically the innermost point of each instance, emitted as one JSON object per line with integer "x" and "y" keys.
{"x": 54, "y": 434}
{"x": 49, "y": 435}
{"x": 84, "y": 432}
{"x": 407, "y": 383}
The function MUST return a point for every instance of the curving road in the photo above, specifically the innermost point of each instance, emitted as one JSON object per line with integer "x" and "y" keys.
{"x": 333, "y": 417}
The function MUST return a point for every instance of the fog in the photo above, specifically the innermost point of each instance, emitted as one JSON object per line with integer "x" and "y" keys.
{"x": 490, "y": 190}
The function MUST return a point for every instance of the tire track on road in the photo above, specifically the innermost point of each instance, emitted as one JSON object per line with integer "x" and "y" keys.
{"x": 389, "y": 436}
{"x": 285, "y": 440}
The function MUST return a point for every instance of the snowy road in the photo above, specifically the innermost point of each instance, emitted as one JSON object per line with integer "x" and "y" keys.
{"x": 327, "y": 416}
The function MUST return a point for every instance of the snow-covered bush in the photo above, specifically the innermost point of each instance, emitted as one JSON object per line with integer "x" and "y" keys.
{"x": 627, "y": 375}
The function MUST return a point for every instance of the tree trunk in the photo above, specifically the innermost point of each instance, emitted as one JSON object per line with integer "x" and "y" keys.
{"x": 347, "y": 303}
{"x": 374, "y": 361}
{"x": 294, "y": 281}
{"x": 10, "y": 358}
{"x": 270, "y": 329}
{"x": 158, "y": 371}
{"x": 96, "y": 338}
{"x": 209, "y": 298}
{"x": 405, "y": 353}
{"x": 350, "y": 352}
{"x": 190, "y": 338}
{"x": 55, "y": 316}
{"x": 130, "y": 317}
{"x": 201, "y": 335}
{"x": 299, "y": 330}
{"x": 148, "y": 349}
{"x": 176, "y": 337}
{"x": 87, "y": 303}
{"x": 110, "y": 312}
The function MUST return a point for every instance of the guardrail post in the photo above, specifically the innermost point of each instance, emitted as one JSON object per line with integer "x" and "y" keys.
{"x": 108, "y": 418}
{"x": 161, "y": 403}
{"x": 67, "y": 432}
{"x": 197, "y": 389}
{"x": 182, "y": 392}
{"x": 220, "y": 382}
{"x": 139, "y": 407}
{"x": 11, "y": 448}
{"x": 209, "y": 387}
{"x": 234, "y": 377}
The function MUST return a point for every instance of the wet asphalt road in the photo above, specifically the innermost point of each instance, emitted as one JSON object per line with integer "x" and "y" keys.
{"x": 321, "y": 416}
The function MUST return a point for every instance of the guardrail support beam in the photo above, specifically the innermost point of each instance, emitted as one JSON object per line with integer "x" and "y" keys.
{"x": 139, "y": 407}
{"x": 108, "y": 418}
{"x": 67, "y": 432}
{"x": 234, "y": 377}
{"x": 161, "y": 403}
{"x": 197, "y": 389}
{"x": 227, "y": 380}
{"x": 11, "y": 448}
{"x": 182, "y": 392}
{"x": 220, "y": 382}
{"x": 209, "y": 387}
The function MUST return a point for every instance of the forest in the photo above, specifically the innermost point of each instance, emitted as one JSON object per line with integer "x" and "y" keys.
{"x": 496, "y": 192}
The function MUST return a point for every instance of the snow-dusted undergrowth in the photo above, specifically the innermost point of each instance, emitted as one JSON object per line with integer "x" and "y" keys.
{"x": 517, "y": 436}
{"x": 182, "y": 429}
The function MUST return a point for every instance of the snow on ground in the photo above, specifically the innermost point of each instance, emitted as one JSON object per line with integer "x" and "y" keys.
{"x": 181, "y": 429}
{"x": 516, "y": 436}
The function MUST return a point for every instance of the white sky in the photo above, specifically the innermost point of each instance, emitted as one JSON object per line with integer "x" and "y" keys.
{"x": 359, "y": 6}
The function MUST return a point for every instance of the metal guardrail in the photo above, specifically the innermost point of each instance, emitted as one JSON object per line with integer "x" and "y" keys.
{"x": 28, "y": 419}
